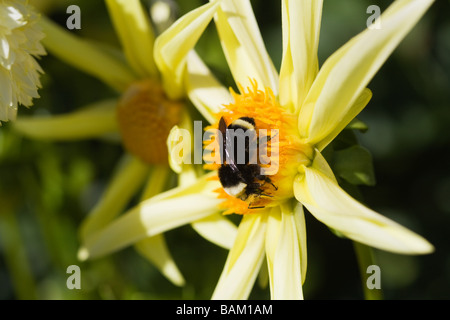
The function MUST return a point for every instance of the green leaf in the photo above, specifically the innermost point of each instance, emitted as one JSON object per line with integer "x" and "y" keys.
{"x": 354, "y": 164}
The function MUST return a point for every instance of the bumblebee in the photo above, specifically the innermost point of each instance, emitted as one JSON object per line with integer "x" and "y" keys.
{"x": 239, "y": 173}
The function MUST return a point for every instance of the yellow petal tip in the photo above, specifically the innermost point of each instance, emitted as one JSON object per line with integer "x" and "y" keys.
{"x": 83, "y": 254}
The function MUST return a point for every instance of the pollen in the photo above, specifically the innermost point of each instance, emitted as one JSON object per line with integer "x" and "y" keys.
{"x": 145, "y": 116}
{"x": 283, "y": 147}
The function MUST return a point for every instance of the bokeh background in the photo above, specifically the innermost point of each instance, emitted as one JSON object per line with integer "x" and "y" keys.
{"x": 47, "y": 188}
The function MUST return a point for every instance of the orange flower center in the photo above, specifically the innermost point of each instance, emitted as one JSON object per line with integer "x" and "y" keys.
{"x": 283, "y": 146}
{"x": 145, "y": 117}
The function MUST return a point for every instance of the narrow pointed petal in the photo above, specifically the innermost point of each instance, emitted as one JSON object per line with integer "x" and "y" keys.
{"x": 155, "y": 250}
{"x": 354, "y": 110}
{"x": 135, "y": 33}
{"x": 93, "y": 121}
{"x": 344, "y": 75}
{"x": 299, "y": 65}
{"x": 203, "y": 89}
{"x": 244, "y": 260}
{"x": 263, "y": 276}
{"x": 129, "y": 177}
{"x": 156, "y": 181}
{"x": 300, "y": 227}
{"x": 217, "y": 229}
{"x": 86, "y": 56}
{"x": 243, "y": 45}
{"x": 158, "y": 214}
{"x": 335, "y": 208}
{"x": 172, "y": 47}
{"x": 284, "y": 253}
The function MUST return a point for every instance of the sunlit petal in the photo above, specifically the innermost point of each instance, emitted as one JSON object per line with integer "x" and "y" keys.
{"x": 243, "y": 45}
{"x": 155, "y": 249}
{"x": 156, "y": 181}
{"x": 128, "y": 178}
{"x": 244, "y": 260}
{"x": 299, "y": 66}
{"x": 335, "y": 208}
{"x": 343, "y": 77}
{"x": 93, "y": 121}
{"x": 354, "y": 110}
{"x": 217, "y": 229}
{"x": 85, "y": 56}
{"x": 172, "y": 46}
{"x": 135, "y": 33}
{"x": 203, "y": 89}
{"x": 158, "y": 214}
{"x": 284, "y": 253}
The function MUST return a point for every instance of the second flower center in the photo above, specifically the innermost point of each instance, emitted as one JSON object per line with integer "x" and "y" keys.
{"x": 145, "y": 116}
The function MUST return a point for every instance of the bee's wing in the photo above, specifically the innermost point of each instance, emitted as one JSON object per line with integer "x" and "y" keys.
{"x": 223, "y": 131}
{"x": 229, "y": 151}
{"x": 227, "y": 146}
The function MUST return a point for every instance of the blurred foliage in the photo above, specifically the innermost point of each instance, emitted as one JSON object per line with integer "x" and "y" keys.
{"x": 46, "y": 189}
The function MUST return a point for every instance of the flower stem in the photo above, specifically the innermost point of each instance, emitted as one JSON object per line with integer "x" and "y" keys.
{"x": 16, "y": 256}
{"x": 365, "y": 257}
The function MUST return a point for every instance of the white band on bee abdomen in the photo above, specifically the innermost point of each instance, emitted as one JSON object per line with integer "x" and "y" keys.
{"x": 236, "y": 190}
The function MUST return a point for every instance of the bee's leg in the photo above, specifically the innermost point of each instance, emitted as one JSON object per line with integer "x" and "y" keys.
{"x": 269, "y": 137}
{"x": 270, "y": 181}
{"x": 244, "y": 196}
{"x": 266, "y": 179}
{"x": 265, "y": 195}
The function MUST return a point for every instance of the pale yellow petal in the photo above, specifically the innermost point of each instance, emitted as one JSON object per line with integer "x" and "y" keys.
{"x": 86, "y": 56}
{"x": 188, "y": 175}
{"x": 217, "y": 229}
{"x": 354, "y": 110}
{"x": 166, "y": 211}
{"x": 135, "y": 33}
{"x": 155, "y": 250}
{"x": 335, "y": 208}
{"x": 204, "y": 184}
{"x": 156, "y": 181}
{"x": 173, "y": 45}
{"x": 284, "y": 253}
{"x": 180, "y": 147}
{"x": 92, "y": 121}
{"x": 204, "y": 90}
{"x": 243, "y": 45}
{"x": 244, "y": 260}
{"x": 300, "y": 227}
{"x": 126, "y": 181}
{"x": 299, "y": 65}
{"x": 345, "y": 75}
{"x": 263, "y": 276}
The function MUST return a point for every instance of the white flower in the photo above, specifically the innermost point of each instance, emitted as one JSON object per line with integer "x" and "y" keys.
{"x": 20, "y": 44}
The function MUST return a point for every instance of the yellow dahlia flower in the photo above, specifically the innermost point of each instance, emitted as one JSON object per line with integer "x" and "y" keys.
{"x": 20, "y": 37}
{"x": 142, "y": 114}
{"x": 307, "y": 106}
